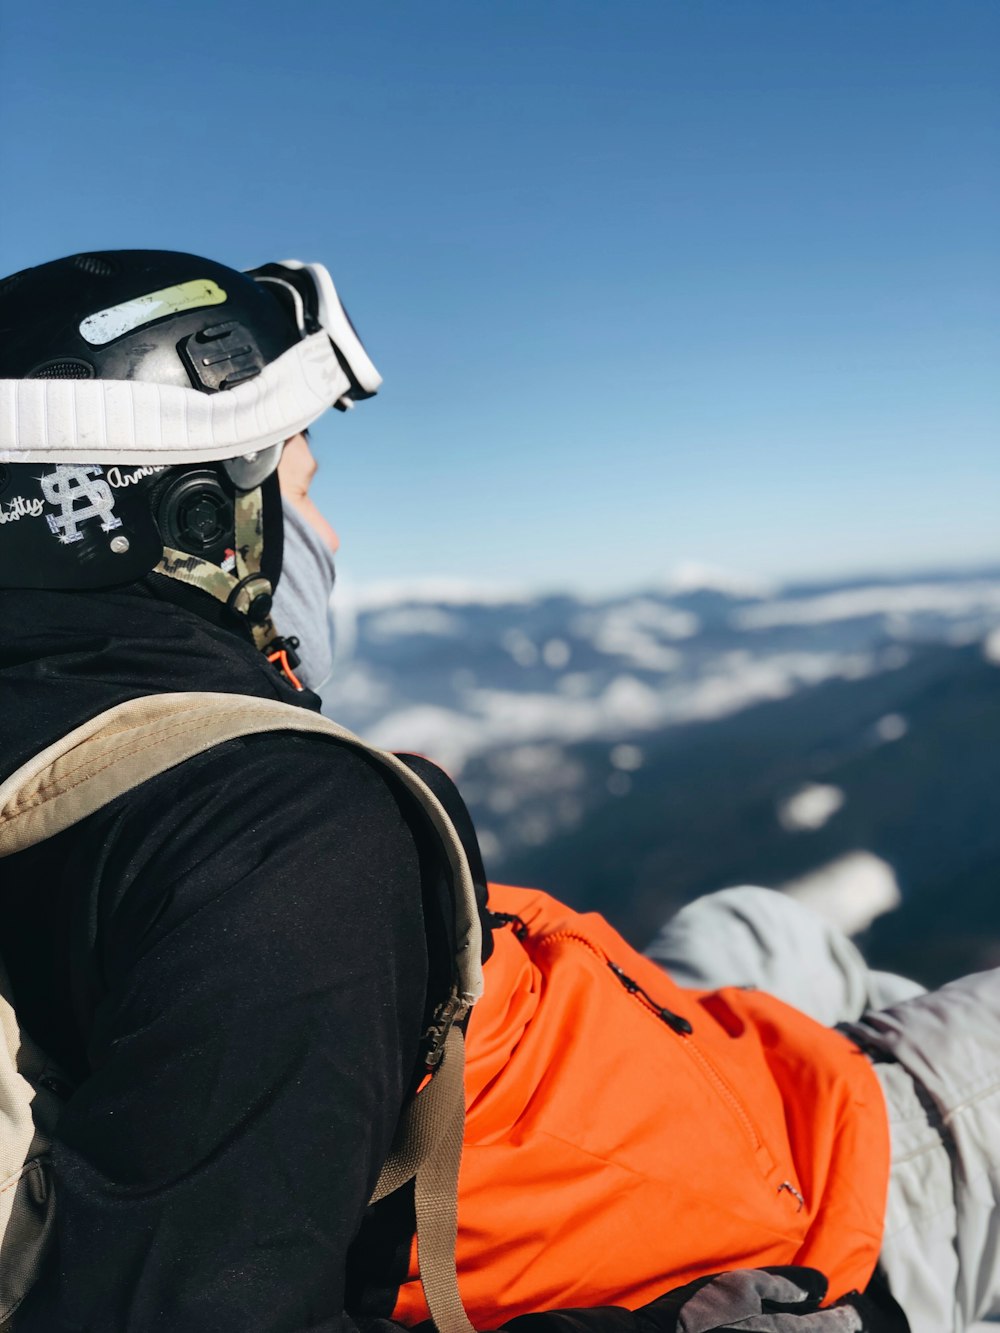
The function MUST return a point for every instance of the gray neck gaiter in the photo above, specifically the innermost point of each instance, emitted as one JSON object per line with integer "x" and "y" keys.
{"x": 302, "y": 598}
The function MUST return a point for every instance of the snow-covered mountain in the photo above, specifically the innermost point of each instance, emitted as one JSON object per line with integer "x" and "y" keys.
{"x": 632, "y": 751}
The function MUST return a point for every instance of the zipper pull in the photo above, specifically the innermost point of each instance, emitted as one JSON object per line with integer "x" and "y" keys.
{"x": 631, "y": 986}
{"x": 676, "y": 1022}
{"x": 509, "y": 919}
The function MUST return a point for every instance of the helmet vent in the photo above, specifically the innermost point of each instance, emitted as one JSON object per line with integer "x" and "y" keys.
{"x": 66, "y": 368}
{"x": 96, "y": 265}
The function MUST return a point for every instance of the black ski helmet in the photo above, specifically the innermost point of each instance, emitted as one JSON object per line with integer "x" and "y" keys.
{"x": 144, "y": 399}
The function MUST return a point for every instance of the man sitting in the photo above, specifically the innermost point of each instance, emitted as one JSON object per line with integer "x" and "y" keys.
{"x": 237, "y": 962}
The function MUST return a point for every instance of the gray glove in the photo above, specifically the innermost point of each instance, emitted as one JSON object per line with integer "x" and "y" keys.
{"x": 752, "y": 1300}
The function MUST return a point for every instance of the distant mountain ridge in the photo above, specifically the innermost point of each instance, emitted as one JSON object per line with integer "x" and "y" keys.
{"x": 630, "y": 752}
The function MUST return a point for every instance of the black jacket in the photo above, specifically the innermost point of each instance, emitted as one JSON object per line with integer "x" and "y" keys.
{"x": 234, "y": 964}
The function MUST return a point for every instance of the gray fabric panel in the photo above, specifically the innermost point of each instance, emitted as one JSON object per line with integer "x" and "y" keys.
{"x": 750, "y": 936}
{"x": 940, "y": 1074}
{"x": 302, "y": 598}
{"x": 942, "y": 1248}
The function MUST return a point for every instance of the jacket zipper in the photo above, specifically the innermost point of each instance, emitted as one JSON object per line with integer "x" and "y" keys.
{"x": 683, "y": 1027}
{"x": 678, "y": 1024}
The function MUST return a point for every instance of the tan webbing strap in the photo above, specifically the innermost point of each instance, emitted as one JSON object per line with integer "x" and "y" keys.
{"x": 138, "y": 740}
{"x": 421, "y": 1125}
{"x": 126, "y": 746}
{"x": 431, "y": 1150}
{"x": 436, "y": 1198}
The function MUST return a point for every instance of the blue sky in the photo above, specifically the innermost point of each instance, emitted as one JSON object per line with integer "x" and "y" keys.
{"x": 648, "y": 281}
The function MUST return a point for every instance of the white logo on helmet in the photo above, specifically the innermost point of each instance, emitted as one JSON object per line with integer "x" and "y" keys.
{"x": 70, "y": 485}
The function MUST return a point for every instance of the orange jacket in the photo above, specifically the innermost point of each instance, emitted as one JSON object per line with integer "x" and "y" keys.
{"x": 610, "y": 1156}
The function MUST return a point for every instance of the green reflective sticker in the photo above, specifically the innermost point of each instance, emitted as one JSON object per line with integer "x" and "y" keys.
{"x": 106, "y": 325}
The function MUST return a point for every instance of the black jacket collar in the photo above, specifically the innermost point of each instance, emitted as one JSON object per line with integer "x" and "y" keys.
{"x": 65, "y": 657}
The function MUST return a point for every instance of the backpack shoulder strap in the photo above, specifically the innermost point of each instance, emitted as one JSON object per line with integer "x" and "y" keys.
{"x": 127, "y": 745}
{"x": 29, "y": 1109}
{"x": 135, "y": 741}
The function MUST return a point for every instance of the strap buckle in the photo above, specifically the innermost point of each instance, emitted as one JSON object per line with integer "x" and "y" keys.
{"x": 252, "y": 598}
{"x": 451, "y": 1011}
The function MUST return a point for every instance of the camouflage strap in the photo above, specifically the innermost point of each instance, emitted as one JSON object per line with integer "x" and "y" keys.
{"x": 240, "y": 590}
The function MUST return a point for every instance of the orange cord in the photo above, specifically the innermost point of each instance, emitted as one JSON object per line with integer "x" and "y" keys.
{"x": 286, "y": 670}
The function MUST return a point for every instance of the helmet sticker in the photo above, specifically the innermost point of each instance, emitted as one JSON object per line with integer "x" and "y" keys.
{"x": 106, "y": 325}
{"x": 118, "y": 479}
{"x": 70, "y": 483}
{"x": 19, "y": 507}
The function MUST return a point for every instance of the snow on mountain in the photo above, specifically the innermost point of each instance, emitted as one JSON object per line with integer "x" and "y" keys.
{"x": 892, "y": 727}
{"x": 851, "y": 891}
{"x": 625, "y": 705}
{"x": 442, "y": 591}
{"x": 975, "y": 598}
{"x": 456, "y": 671}
{"x": 810, "y": 807}
{"x": 399, "y": 622}
{"x": 629, "y": 751}
{"x": 695, "y": 576}
{"x": 635, "y": 630}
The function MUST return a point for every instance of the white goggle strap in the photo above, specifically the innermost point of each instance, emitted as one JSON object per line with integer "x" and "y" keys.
{"x": 140, "y": 423}
{"x": 335, "y": 321}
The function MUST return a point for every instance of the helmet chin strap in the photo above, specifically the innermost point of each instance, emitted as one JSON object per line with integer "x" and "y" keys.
{"x": 247, "y": 591}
